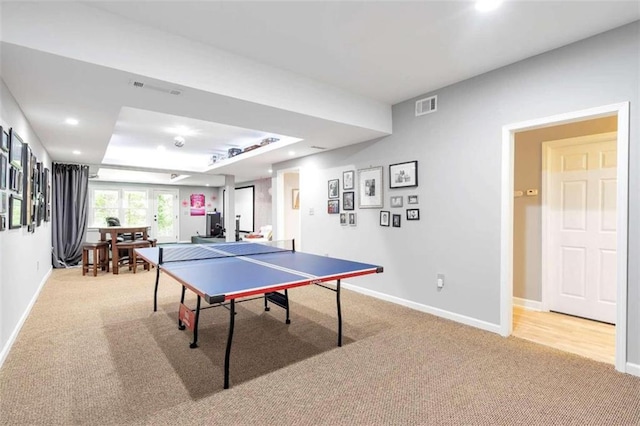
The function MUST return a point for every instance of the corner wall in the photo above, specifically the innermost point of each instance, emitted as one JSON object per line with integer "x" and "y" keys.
{"x": 458, "y": 149}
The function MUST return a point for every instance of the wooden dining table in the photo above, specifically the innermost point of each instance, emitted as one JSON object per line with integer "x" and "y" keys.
{"x": 116, "y": 231}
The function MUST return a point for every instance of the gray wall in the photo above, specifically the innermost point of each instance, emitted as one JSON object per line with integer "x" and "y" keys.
{"x": 25, "y": 258}
{"x": 459, "y": 152}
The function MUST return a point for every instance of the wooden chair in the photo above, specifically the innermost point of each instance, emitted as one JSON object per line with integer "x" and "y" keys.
{"x": 99, "y": 257}
{"x": 131, "y": 259}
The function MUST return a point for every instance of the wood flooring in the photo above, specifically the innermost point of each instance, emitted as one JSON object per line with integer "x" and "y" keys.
{"x": 591, "y": 339}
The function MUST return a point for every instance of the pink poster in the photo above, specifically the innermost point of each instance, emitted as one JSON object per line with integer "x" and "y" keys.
{"x": 197, "y": 205}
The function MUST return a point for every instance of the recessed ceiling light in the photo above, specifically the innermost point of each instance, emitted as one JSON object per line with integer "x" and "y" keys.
{"x": 206, "y": 184}
{"x": 180, "y": 131}
{"x": 292, "y": 153}
{"x": 71, "y": 121}
{"x": 270, "y": 171}
{"x": 161, "y": 148}
{"x": 76, "y": 152}
{"x": 487, "y": 5}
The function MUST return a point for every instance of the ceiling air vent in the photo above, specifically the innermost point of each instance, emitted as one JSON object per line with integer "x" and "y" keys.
{"x": 143, "y": 85}
{"x": 321, "y": 148}
{"x": 426, "y": 105}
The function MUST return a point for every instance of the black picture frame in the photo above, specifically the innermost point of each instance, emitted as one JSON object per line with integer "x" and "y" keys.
{"x": 348, "y": 180}
{"x": 3, "y": 202}
{"x": 396, "y": 219}
{"x": 413, "y": 214}
{"x": 384, "y": 218}
{"x": 3, "y": 222}
{"x": 353, "y": 219}
{"x": 333, "y": 188}
{"x": 333, "y": 206}
{"x": 15, "y": 212}
{"x": 403, "y": 175}
{"x": 343, "y": 219}
{"x": 4, "y": 146}
{"x": 15, "y": 150}
{"x": 348, "y": 200}
{"x": 3, "y": 171}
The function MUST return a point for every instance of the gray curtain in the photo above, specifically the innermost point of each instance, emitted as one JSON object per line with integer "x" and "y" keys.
{"x": 70, "y": 203}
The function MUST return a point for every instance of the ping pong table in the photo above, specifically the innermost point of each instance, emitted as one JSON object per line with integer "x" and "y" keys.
{"x": 226, "y": 273}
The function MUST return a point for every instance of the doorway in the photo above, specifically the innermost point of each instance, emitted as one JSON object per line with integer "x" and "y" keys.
{"x": 508, "y": 278}
{"x": 290, "y": 200}
{"x": 164, "y": 208}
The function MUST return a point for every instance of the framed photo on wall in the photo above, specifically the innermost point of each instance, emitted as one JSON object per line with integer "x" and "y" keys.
{"x": 343, "y": 218}
{"x": 334, "y": 188}
{"x": 413, "y": 214}
{"x": 403, "y": 175}
{"x": 396, "y": 220}
{"x": 3, "y": 172}
{"x": 333, "y": 206}
{"x": 352, "y": 219}
{"x": 348, "y": 180}
{"x": 384, "y": 218}
{"x": 15, "y": 150}
{"x": 348, "y": 202}
{"x": 4, "y": 146}
{"x": 15, "y": 212}
{"x": 396, "y": 201}
{"x": 370, "y": 188}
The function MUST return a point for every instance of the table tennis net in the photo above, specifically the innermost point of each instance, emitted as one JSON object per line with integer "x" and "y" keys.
{"x": 183, "y": 253}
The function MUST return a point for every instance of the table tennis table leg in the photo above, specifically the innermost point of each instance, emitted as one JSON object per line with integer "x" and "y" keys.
{"x": 155, "y": 292}
{"x": 194, "y": 344}
{"x": 339, "y": 314}
{"x": 227, "y": 354}
{"x": 180, "y": 324}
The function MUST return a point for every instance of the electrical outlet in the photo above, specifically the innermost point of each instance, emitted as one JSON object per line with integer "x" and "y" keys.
{"x": 440, "y": 280}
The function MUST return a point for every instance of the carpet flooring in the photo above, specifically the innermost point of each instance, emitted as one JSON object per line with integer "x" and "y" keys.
{"x": 93, "y": 352}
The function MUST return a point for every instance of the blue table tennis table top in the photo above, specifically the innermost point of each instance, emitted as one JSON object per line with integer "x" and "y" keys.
{"x": 224, "y": 278}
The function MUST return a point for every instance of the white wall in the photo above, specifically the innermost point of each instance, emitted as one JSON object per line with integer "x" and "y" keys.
{"x": 25, "y": 258}
{"x": 459, "y": 150}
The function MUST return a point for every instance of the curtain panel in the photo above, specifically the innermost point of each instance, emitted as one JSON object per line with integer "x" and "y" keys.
{"x": 70, "y": 205}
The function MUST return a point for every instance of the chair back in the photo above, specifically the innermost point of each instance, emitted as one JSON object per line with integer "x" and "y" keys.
{"x": 113, "y": 221}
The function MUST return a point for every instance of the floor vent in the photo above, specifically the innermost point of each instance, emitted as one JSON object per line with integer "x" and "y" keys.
{"x": 426, "y": 105}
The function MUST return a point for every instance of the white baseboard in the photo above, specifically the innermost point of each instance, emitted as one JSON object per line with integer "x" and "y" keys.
{"x": 633, "y": 369}
{"x": 483, "y": 325}
{"x": 23, "y": 318}
{"x": 532, "y": 305}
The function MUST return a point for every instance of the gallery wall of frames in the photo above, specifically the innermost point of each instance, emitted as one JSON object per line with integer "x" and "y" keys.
{"x": 25, "y": 187}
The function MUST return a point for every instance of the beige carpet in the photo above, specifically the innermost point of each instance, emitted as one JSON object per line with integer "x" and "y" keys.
{"x": 93, "y": 352}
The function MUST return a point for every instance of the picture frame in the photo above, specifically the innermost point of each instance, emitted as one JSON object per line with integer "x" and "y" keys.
{"x": 15, "y": 212}
{"x": 395, "y": 201}
{"x": 348, "y": 181}
{"x": 403, "y": 175}
{"x": 333, "y": 187}
{"x": 370, "y": 188}
{"x": 413, "y": 214}
{"x": 15, "y": 150}
{"x": 384, "y": 217}
{"x": 3, "y": 171}
{"x": 295, "y": 198}
{"x": 343, "y": 219}
{"x": 412, "y": 199}
{"x": 3, "y": 222}
{"x": 396, "y": 220}
{"x": 348, "y": 200}
{"x": 352, "y": 219}
{"x": 46, "y": 184}
{"x": 3, "y": 202}
{"x": 333, "y": 206}
{"x": 4, "y": 145}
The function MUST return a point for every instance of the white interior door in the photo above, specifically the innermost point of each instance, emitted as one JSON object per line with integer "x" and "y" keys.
{"x": 581, "y": 197}
{"x": 164, "y": 224}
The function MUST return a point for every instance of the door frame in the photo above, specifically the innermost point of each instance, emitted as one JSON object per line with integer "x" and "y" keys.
{"x": 547, "y": 147}
{"x": 280, "y": 205}
{"x": 621, "y": 110}
{"x": 176, "y": 209}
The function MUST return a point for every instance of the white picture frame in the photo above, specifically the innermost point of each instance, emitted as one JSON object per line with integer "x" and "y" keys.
{"x": 370, "y": 188}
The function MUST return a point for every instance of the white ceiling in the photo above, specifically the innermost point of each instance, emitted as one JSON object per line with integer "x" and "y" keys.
{"x": 383, "y": 51}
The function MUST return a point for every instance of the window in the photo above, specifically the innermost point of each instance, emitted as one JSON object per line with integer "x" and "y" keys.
{"x": 131, "y": 206}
